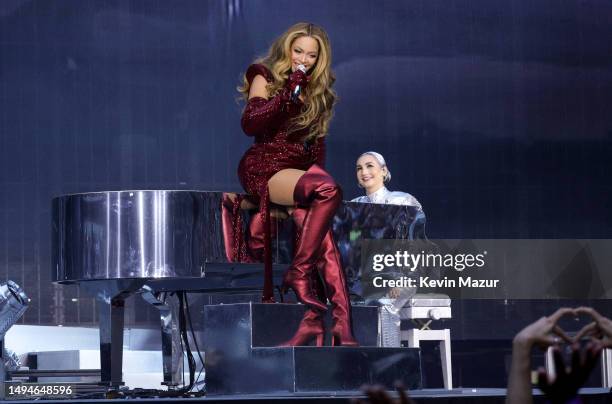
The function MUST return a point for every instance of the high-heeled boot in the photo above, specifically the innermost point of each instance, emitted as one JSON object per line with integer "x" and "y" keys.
{"x": 231, "y": 221}
{"x": 256, "y": 240}
{"x": 318, "y": 191}
{"x": 312, "y": 325}
{"x": 337, "y": 292}
{"x": 329, "y": 267}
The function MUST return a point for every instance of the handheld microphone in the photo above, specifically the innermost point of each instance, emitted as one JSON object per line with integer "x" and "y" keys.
{"x": 297, "y": 90}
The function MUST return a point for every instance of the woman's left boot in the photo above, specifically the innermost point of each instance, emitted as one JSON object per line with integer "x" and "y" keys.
{"x": 337, "y": 291}
{"x": 329, "y": 267}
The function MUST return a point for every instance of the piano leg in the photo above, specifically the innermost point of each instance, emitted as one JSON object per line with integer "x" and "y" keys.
{"x": 172, "y": 357}
{"x": 110, "y": 298}
{"x": 111, "y": 340}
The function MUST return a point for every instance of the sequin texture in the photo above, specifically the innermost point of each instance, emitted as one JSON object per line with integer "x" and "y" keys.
{"x": 274, "y": 149}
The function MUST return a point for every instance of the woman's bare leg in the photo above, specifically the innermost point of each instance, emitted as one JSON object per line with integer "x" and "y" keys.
{"x": 282, "y": 185}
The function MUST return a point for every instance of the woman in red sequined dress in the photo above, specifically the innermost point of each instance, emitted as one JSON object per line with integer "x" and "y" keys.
{"x": 285, "y": 165}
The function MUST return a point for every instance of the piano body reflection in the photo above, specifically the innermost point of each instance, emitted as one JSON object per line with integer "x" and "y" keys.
{"x": 114, "y": 244}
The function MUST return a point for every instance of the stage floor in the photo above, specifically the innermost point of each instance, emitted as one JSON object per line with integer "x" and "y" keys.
{"x": 461, "y": 395}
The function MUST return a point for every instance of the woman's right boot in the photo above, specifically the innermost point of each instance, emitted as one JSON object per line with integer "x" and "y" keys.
{"x": 317, "y": 191}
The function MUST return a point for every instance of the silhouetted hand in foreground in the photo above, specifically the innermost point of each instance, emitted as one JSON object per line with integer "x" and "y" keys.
{"x": 599, "y": 330}
{"x": 568, "y": 380}
{"x": 545, "y": 331}
{"x": 542, "y": 333}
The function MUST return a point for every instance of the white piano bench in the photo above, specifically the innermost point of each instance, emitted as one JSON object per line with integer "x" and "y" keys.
{"x": 422, "y": 309}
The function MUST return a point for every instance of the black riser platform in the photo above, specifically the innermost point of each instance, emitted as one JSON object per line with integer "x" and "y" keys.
{"x": 241, "y": 354}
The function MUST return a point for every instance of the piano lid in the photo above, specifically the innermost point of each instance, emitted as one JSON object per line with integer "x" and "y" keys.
{"x": 160, "y": 234}
{"x": 135, "y": 234}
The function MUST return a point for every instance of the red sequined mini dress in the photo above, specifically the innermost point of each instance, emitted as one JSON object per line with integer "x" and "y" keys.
{"x": 274, "y": 148}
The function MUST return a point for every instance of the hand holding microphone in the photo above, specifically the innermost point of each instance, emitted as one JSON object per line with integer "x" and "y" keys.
{"x": 297, "y": 81}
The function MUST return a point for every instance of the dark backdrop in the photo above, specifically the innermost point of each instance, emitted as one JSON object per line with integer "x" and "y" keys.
{"x": 494, "y": 114}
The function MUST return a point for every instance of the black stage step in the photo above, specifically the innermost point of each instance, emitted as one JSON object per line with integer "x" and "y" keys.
{"x": 241, "y": 354}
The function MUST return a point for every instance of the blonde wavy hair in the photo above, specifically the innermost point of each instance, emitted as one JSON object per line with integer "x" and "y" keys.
{"x": 319, "y": 97}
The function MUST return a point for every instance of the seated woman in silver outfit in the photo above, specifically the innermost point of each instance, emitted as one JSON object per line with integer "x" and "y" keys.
{"x": 372, "y": 174}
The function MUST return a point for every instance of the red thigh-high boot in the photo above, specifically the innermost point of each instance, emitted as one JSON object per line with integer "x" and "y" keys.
{"x": 312, "y": 325}
{"x": 318, "y": 191}
{"x": 255, "y": 242}
{"x": 329, "y": 267}
{"x": 337, "y": 291}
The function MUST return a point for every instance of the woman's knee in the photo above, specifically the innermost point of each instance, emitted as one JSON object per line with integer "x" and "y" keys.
{"x": 317, "y": 181}
{"x": 282, "y": 185}
{"x": 328, "y": 180}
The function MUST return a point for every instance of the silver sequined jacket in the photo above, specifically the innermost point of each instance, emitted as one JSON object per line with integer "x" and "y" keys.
{"x": 384, "y": 196}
